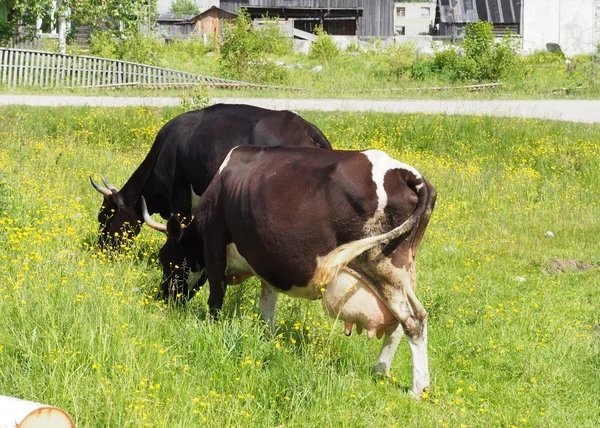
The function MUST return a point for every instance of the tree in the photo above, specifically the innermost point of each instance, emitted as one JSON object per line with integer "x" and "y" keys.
{"x": 118, "y": 15}
{"x": 184, "y": 7}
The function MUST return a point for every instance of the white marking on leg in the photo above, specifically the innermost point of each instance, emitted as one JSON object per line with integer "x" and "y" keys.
{"x": 418, "y": 350}
{"x": 268, "y": 301}
{"x": 388, "y": 350}
{"x": 224, "y": 164}
{"x": 195, "y": 200}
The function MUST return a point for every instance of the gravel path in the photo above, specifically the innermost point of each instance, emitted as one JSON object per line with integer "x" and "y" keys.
{"x": 570, "y": 110}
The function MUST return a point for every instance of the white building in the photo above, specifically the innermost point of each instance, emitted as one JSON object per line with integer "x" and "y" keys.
{"x": 413, "y": 18}
{"x": 573, "y": 24}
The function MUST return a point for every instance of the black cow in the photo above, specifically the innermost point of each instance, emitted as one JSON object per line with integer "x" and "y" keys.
{"x": 185, "y": 156}
{"x": 340, "y": 225}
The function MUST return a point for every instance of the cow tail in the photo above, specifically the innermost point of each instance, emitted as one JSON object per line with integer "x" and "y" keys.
{"x": 331, "y": 264}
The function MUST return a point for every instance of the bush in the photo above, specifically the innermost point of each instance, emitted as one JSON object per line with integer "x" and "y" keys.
{"x": 324, "y": 48}
{"x": 483, "y": 58}
{"x": 422, "y": 69}
{"x": 131, "y": 47}
{"x": 6, "y": 31}
{"x": 399, "y": 59}
{"x": 244, "y": 52}
{"x": 194, "y": 47}
{"x": 273, "y": 41}
{"x": 103, "y": 44}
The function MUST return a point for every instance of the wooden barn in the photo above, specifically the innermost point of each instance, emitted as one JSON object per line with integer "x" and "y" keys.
{"x": 210, "y": 21}
{"x": 362, "y": 18}
{"x": 453, "y": 15}
{"x": 206, "y": 23}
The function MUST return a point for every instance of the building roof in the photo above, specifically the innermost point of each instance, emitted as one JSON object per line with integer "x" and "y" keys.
{"x": 171, "y": 17}
{"x": 496, "y": 11}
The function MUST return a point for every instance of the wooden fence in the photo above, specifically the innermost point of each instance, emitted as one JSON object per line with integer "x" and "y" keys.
{"x": 20, "y": 67}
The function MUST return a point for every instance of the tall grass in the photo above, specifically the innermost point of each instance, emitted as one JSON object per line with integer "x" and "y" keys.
{"x": 510, "y": 345}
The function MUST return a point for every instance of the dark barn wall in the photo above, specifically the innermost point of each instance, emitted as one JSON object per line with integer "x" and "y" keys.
{"x": 323, "y": 4}
{"x": 377, "y": 19}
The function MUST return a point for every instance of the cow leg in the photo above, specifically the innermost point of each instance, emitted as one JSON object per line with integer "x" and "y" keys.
{"x": 268, "y": 300}
{"x": 216, "y": 263}
{"x": 418, "y": 350}
{"x": 388, "y": 350}
{"x": 181, "y": 203}
{"x": 398, "y": 292}
{"x": 414, "y": 323}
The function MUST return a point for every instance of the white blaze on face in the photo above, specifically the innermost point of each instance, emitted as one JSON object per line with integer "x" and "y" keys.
{"x": 226, "y": 161}
{"x": 382, "y": 163}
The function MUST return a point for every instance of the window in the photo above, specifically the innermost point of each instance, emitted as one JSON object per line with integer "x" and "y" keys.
{"x": 400, "y": 31}
{"x": 400, "y": 11}
{"x": 424, "y": 12}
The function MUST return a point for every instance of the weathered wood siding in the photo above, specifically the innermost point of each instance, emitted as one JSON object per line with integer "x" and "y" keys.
{"x": 325, "y": 4}
{"x": 377, "y": 19}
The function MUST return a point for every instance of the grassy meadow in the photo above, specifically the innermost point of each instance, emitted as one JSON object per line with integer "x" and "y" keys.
{"x": 513, "y": 341}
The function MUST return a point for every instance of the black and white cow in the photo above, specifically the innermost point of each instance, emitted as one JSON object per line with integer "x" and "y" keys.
{"x": 338, "y": 225}
{"x": 185, "y": 156}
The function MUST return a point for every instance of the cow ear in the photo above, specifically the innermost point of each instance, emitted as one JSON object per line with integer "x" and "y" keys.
{"x": 174, "y": 229}
{"x": 118, "y": 199}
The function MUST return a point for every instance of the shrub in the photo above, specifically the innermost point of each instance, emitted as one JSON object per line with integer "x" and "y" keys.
{"x": 324, "y": 48}
{"x": 6, "y": 31}
{"x": 272, "y": 40}
{"x": 103, "y": 44}
{"x": 139, "y": 48}
{"x": 479, "y": 39}
{"x": 244, "y": 52}
{"x": 399, "y": 59}
{"x": 483, "y": 59}
{"x": 422, "y": 69}
{"x": 130, "y": 47}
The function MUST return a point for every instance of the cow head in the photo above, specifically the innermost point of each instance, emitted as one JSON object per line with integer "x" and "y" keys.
{"x": 118, "y": 216}
{"x": 181, "y": 258}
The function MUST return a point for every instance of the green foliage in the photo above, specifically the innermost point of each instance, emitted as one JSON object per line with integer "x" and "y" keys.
{"x": 195, "y": 99}
{"x": 245, "y": 52}
{"x": 119, "y": 16}
{"x": 479, "y": 39}
{"x": 194, "y": 47}
{"x": 7, "y": 30}
{"x": 544, "y": 57}
{"x": 422, "y": 69}
{"x": 273, "y": 41}
{"x": 324, "y": 48}
{"x": 483, "y": 59}
{"x": 184, "y": 7}
{"x": 399, "y": 59}
{"x": 133, "y": 47}
{"x": 104, "y": 44}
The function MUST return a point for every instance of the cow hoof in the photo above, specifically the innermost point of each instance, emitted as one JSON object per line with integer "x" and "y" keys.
{"x": 420, "y": 395}
{"x": 380, "y": 369}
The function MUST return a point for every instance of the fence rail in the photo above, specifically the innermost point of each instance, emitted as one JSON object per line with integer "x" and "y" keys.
{"x": 20, "y": 67}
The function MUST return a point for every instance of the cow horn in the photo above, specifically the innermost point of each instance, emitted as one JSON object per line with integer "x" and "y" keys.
{"x": 107, "y": 184}
{"x": 149, "y": 221}
{"x": 99, "y": 188}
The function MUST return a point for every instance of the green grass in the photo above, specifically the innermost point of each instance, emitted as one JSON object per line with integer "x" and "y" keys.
{"x": 80, "y": 329}
{"x": 369, "y": 74}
